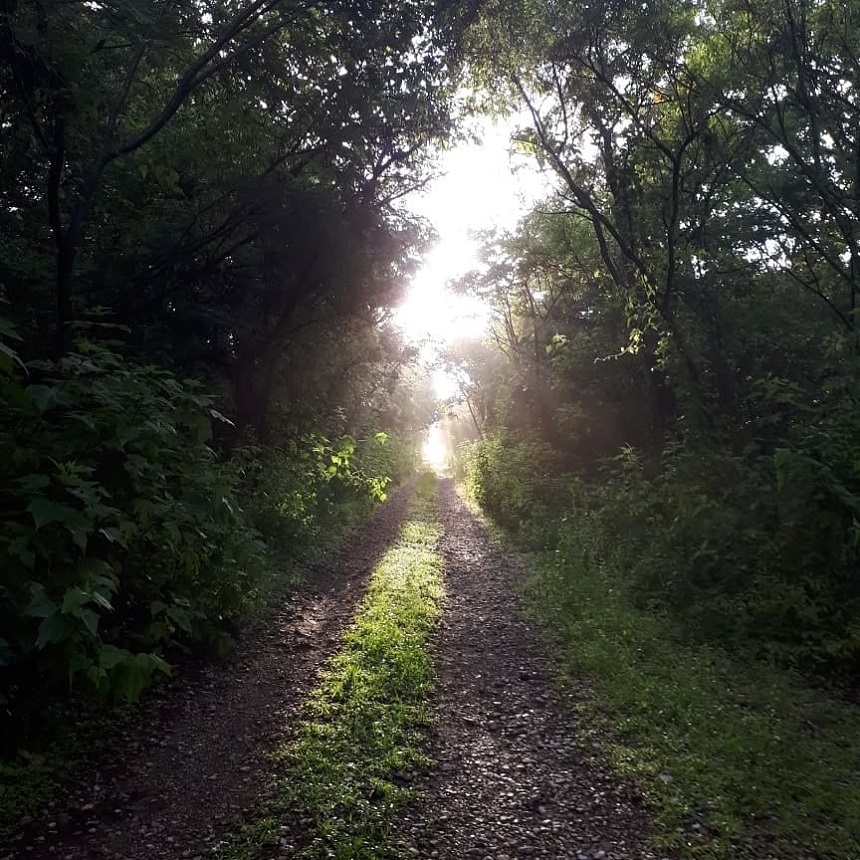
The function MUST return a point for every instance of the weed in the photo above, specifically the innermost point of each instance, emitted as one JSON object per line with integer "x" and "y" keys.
{"x": 735, "y": 760}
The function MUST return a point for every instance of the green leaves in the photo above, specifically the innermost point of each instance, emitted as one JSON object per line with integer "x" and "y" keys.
{"x": 8, "y": 356}
{"x": 40, "y": 605}
{"x": 46, "y": 512}
{"x": 124, "y": 510}
{"x": 54, "y": 629}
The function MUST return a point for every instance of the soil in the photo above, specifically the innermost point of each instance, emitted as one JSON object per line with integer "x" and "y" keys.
{"x": 513, "y": 776}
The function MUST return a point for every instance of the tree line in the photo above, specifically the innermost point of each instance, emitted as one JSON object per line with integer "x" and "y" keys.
{"x": 673, "y": 362}
{"x": 202, "y": 238}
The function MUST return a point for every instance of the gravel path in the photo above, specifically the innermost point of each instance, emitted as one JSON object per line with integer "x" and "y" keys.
{"x": 513, "y": 779}
{"x": 193, "y": 764}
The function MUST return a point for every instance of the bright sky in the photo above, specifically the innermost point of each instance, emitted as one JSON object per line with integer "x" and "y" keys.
{"x": 482, "y": 186}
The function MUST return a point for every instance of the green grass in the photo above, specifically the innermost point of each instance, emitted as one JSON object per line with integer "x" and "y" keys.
{"x": 735, "y": 761}
{"x": 347, "y": 769}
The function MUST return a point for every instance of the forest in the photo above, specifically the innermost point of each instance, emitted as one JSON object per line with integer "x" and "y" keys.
{"x": 676, "y": 326}
{"x": 200, "y": 250}
{"x": 205, "y": 233}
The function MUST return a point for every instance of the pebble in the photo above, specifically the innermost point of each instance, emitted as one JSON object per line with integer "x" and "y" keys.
{"x": 514, "y": 778}
{"x": 183, "y": 759}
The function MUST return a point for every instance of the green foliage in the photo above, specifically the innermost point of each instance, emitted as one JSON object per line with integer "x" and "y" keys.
{"x": 757, "y": 553}
{"x": 218, "y": 184}
{"x": 347, "y": 767}
{"x": 121, "y": 533}
{"x": 735, "y": 760}
{"x": 645, "y": 583}
{"x": 678, "y": 321}
{"x": 303, "y": 495}
{"x": 517, "y": 482}
{"x": 124, "y": 537}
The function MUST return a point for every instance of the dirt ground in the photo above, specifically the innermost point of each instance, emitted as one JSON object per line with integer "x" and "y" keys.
{"x": 513, "y": 777}
{"x": 194, "y": 765}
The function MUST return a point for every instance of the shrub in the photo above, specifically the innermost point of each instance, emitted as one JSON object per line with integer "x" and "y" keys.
{"x": 518, "y": 483}
{"x": 120, "y": 528}
{"x": 756, "y": 549}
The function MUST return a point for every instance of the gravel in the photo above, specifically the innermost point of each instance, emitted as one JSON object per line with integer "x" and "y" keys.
{"x": 513, "y": 778}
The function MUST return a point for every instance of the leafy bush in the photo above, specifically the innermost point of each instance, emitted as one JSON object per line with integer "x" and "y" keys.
{"x": 518, "y": 482}
{"x": 757, "y": 549}
{"x": 303, "y": 494}
{"x": 120, "y": 528}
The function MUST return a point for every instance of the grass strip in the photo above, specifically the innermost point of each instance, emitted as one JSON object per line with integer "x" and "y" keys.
{"x": 736, "y": 760}
{"x": 349, "y": 765}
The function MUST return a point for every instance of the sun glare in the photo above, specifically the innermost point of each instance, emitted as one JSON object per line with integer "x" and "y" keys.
{"x": 434, "y": 312}
{"x": 482, "y": 186}
{"x": 435, "y": 449}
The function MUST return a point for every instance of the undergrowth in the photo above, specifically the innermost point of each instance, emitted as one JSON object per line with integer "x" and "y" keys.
{"x": 735, "y": 761}
{"x": 736, "y": 756}
{"x": 349, "y": 766}
{"x": 67, "y": 733}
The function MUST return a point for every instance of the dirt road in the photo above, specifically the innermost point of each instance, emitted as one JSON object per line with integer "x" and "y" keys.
{"x": 513, "y": 777}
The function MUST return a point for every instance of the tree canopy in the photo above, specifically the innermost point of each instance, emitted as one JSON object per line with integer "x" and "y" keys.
{"x": 678, "y": 319}
{"x": 199, "y": 197}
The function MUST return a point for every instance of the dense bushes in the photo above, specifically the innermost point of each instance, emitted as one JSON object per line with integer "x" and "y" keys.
{"x": 122, "y": 531}
{"x": 757, "y": 550}
{"x": 519, "y": 484}
{"x": 300, "y": 494}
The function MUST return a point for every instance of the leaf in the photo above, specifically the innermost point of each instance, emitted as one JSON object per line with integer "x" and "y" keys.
{"x": 180, "y": 618}
{"x": 55, "y": 628}
{"x": 33, "y": 483}
{"x": 114, "y": 535}
{"x": 45, "y": 512}
{"x": 43, "y": 396}
{"x": 98, "y": 677}
{"x": 40, "y": 606}
{"x": 102, "y": 601}
{"x": 96, "y": 569}
{"x": 7, "y": 328}
{"x": 110, "y": 656}
{"x": 214, "y": 413}
{"x": 78, "y": 662}
{"x": 9, "y": 358}
{"x": 77, "y": 524}
{"x": 79, "y": 528}
{"x": 74, "y": 599}
{"x": 134, "y": 674}
{"x": 91, "y": 621}
{"x": 107, "y": 582}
